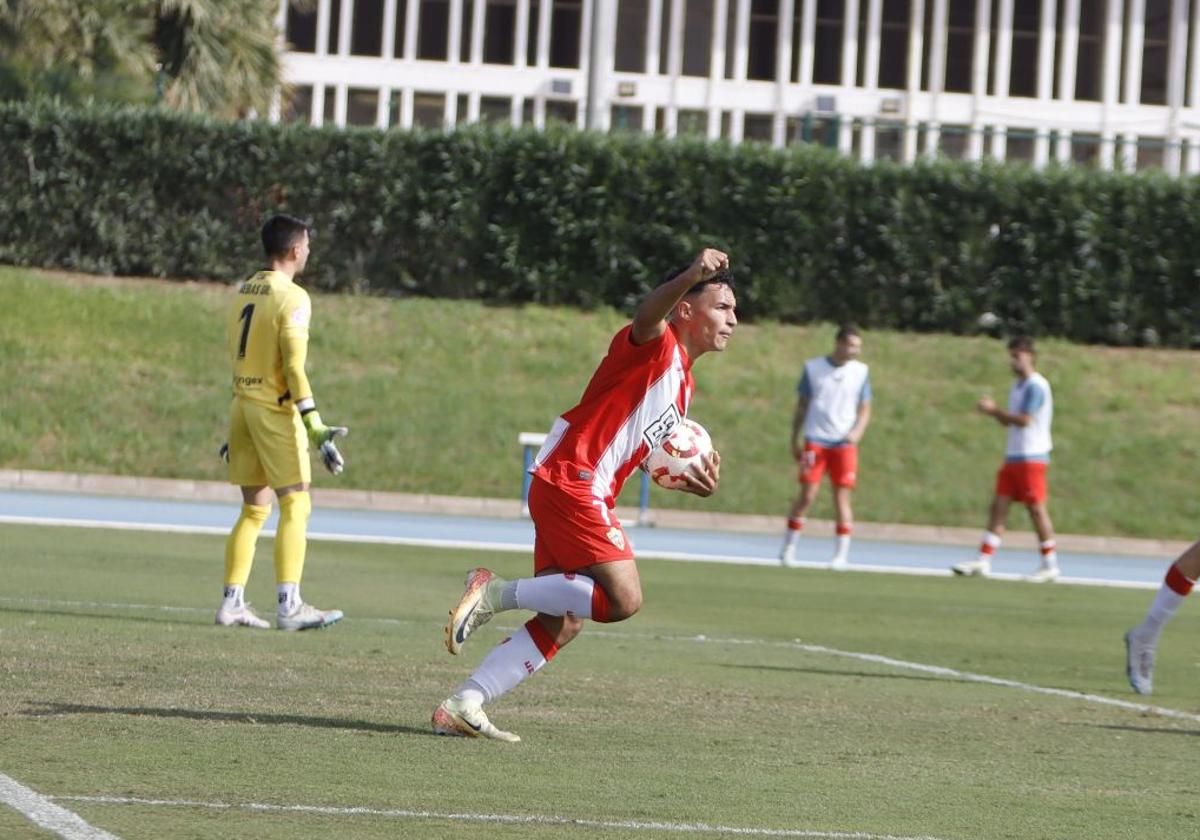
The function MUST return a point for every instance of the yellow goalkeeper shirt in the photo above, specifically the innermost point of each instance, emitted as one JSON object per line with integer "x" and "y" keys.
{"x": 268, "y": 340}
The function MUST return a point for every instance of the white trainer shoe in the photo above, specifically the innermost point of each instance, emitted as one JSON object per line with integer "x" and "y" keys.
{"x": 973, "y": 568}
{"x": 243, "y": 616}
{"x": 839, "y": 563}
{"x": 1139, "y": 662}
{"x": 1045, "y": 574}
{"x": 307, "y": 617}
{"x": 474, "y": 609}
{"x": 458, "y": 717}
{"x": 787, "y": 556}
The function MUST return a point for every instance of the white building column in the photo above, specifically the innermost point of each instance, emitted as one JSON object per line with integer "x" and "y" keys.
{"x": 405, "y": 117}
{"x": 345, "y": 23}
{"x": 1110, "y": 80}
{"x": 849, "y": 71}
{"x": 478, "y": 17}
{"x": 450, "y": 110}
{"x": 323, "y": 7}
{"x": 783, "y": 71}
{"x": 339, "y": 105}
{"x": 388, "y": 46}
{"x": 979, "y": 68}
{"x": 916, "y": 44}
{"x": 1176, "y": 79}
{"x": 1003, "y": 72}
{"x": 1135, "y": 37}
{"x": 1045, "y": 78}
{"x": 1066, "y": 71}
{"x": 317, "y": 117}
{"x": 674, "y": 66}
{"x": 741, "y": 43}
{"x": 545, "y": 8}
{"x": 521, "y": 36}
{"x": 716, "y": 68}
{"x": 937, "y": 74}
{"x": 653, "y": 36}
{"x": 808, "y": 34}
{"x": 381, "y": 107}
{"x": 866, "y": 149}
{"x": 1192, "y": 157}
{"x": 411, "y": 21}
{"x": 454, "y": 31}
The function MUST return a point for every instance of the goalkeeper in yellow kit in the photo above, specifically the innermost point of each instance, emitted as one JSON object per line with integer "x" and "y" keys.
{"x": 272, "y": 421}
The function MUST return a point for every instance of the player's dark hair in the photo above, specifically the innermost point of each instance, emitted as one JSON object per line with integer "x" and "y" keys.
{"x": 849, "y": 330}
{"x": 281, "y": 232}
{"x": 724, "y": 277}
{"x": 1021, "y": 343}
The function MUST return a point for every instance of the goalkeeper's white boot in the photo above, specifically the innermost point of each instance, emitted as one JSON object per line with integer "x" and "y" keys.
{"x": 307, "y": 617}
{"x": 461, "y": 717}
{"x": 475, "y": 608}
{"x": 1139, "y": 662}
{"x": 243, "y": 616}
{"x": 973, "y": 568}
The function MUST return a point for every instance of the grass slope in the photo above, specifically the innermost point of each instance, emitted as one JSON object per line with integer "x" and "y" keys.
{"x": 129, "y": 377}
{"x": 636, "y": 721}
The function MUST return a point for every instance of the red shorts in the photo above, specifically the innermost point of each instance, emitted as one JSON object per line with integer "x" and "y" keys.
{"x": 1022, "y": 481}
{"x": 842, "y": 462}
{"x": 574, "y": 529}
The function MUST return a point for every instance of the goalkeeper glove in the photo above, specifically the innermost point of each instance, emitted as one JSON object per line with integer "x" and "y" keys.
{"x": 321, "y": 436}
{"x": 223, "y": 452}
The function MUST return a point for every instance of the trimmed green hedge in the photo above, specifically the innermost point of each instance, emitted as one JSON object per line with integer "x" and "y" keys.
{"x": 563, "y": 217}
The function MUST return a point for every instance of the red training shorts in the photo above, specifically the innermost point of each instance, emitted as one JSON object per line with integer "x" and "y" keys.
{"x": 1022, "y": 481}
{"x": 574, "y": 529}
{"x": 841, "y": 461}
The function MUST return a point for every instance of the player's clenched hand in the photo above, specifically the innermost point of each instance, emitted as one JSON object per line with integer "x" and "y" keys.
{"x": 798, "y": 450}
{"x": 702, "y": 479}
{"x": 709, "y": 262}
{"x": 986, "y": 405}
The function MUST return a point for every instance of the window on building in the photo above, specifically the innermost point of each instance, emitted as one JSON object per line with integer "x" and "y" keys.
{"x": 756, "y": 128}
{"x": 1089, "y": 67}
{"x": 764, "y": 24}
{"x": 362, "y": 106}
{"x": 563, "y": 111}
{"x": 329, "y": 110}
{"x": 697, "y": 37}
{"x": 335, "y": 26}
{"x": 952, "y": 141}
{"x": 692, "y": 122}
{"x": 889, "y": 141}
{"x": 466, "y": 30}
{"x": 401, "y": 28}
{"x": 531, "y": 35}
{"x": 1154, "y": 53}
{"x": 893, "y": 44}
{"x": 429, "y": 110}
{"x": 433, "y": 29}
{"x": 495, "y": 109}
{"x": 627, "y": 118}
{"x": 1019, "y": 145}
{"x": 565, "y": 31}
{"x": 726, "y": 125}
{"x": 462, "y": 109}
{"x": 730, "y": 38}
{"x": 366, "y": 29}
{"x": 499, "y": 32}
{"x": 827, "y": 42}
{"x": 527, "y": 111}
{"x": 1022, "y": 77}
{"x": 301, "y": 31}
{"x": 630, "y": 48}
{"x": 960, "y": 46}
{"x": 1150, "y": 150}
{"x": 1085, "y": 149}
{"x": 296, "y": 106}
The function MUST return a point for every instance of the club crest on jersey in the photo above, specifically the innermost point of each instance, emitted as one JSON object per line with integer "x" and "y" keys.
{"x": 616, "y": 538}
{"x": 300, "y": 316}
{"x": 657, "y": 431}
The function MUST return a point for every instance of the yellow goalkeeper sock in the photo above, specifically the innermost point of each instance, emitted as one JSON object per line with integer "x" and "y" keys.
{"x": 239, "y": 547}
{"x": 290, "y": 539}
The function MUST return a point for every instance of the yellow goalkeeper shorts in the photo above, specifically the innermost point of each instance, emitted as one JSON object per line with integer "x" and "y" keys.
{"x": 266, "y": 447}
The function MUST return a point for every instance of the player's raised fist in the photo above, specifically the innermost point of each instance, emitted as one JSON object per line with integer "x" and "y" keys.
{"x": 709, "y": 262}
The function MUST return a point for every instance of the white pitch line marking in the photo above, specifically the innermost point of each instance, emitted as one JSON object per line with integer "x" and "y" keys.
{"x": 526, "y": 547}
{"x": 796, "y": 644}
{"x": 41, "y": 811}
{"x": 508, "y": 819}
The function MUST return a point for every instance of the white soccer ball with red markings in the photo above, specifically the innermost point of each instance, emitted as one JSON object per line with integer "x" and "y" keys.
{"x": 685, "y": 446}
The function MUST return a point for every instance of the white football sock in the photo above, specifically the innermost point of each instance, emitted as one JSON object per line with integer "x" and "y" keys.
{"x": 502, "y": 670}
{"x": 288, "y": 597}
{"x": 842, "y": 552}
{"x": 555, "y": 594}
{"x": 234, "y": 598}
{"x": 1166, "y": 601}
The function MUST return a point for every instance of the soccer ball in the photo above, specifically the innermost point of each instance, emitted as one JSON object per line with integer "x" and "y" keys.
{"x": 685, "y": 445}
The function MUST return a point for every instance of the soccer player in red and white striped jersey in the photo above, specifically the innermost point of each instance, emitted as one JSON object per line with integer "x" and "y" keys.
{"x": 583, "y": 563}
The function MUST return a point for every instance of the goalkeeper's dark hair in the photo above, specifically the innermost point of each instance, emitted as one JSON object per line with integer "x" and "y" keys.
{"x": 281, "y": 233}
{"x": 724, "y": 277}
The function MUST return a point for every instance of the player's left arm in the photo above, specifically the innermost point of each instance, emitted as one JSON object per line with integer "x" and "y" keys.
{"x": 293, "y": 348}
{"x": 650, "y": 320}
{"x": 860, "y": 425}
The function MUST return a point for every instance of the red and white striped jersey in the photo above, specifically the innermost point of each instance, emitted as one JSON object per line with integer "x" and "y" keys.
{"x": 635, "y": 398}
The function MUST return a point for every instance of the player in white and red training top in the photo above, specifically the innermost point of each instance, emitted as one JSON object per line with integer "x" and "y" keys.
{"x": 583, "y": 563}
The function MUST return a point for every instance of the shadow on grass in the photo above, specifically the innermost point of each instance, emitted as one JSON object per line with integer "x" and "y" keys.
{"x": 833, "y": 673}
{"x": 42, "y": 709}
{"x": 1148, "y": 730}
